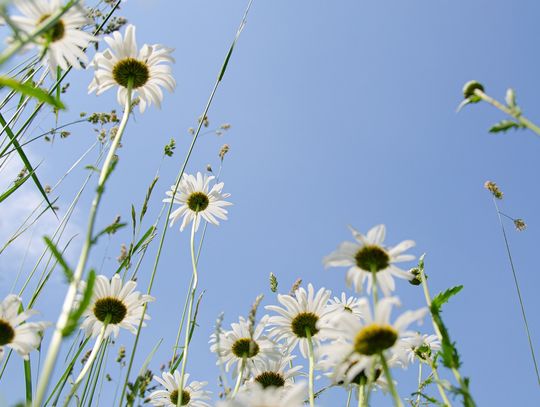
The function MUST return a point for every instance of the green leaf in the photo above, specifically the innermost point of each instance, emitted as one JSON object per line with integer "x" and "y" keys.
{"x": 74, "y": 316}
{"x": 109, "y": 230}
{"x": 15, "y": 186}
{"x": 31, "y": 91}
{"x": 504, "y": 125}
{"x": 25, "y": 160}
{"x": 59, "y": 258}
{"x": 442, "y": 298}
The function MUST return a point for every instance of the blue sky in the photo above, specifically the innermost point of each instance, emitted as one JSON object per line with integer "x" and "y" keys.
{"x": 342, "y": 113}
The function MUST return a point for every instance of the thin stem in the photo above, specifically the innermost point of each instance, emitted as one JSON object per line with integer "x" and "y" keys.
{"x": 362, "y": 402}
{"x": 56, "y": 340}
{"x": 374, "y": 285}
{"x": 194, "y": 283}
{"x": 419, "y": 384}
{"x": 178, "y": 179}
{"x": 311, "y": 368}
{"x": 28, "y": 381}
{"x": 349, "y": 396}
{"x": 516, "y": 283}
{"x": 239, "y": 378}
{"x": 438, "y": 383}
{"x": 391, "y": 387}
{"x": 510, "y": 112}
{"x": 89, "y": 362}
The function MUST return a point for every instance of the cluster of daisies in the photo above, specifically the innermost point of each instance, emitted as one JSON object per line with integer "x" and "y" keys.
{"x": 352, "y": 340}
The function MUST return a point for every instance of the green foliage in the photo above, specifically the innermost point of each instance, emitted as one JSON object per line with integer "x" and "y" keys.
{"x": 59, "y": 258}
{"x": 505, "y": 125}
{"x": 442, "y": 298}
{"x": 75, "y": 315}
{"x": 110, "y": 229}
{"x": 15, "y": 186}
{"x": 31, "y": 91}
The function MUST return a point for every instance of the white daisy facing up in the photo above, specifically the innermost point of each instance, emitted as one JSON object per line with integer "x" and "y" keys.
{"x": 116, "y": 304}
{"x": 197, "y": 200}
{"x": 64, "y": 42}
{"x": 257, "y": 396}
{"x": 193, "y": 394}
{"x": 275, "y": 372}
{"x": 359, "y": 343}
{"x": 237, "y": 344}
{"x": 417, "y": 346}
{"x": 23, "y": 337}
{"x": 345, "y": 304}
{"x": 368, "y": 256}
{"x": 123, "y": 63}
{"x": 304, "y": 311}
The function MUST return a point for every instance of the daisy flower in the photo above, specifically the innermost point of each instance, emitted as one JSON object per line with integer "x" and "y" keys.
{"x": 257, "y": 396}
{"x": 123, "y": 63}
{"x": 235, "y": 345}
{"x": 116, "y": 304}
{"x": 23, "y": 337}
{"x": 198, "y": 201}
{"x": 303, "y": 312}
{"x": 344, "y": 304}
{"x": 275, "y": 372}
{"x": 417, "y": 346}
{"x": 368, "y": 256}
{"x": 359, "y": 343}
{"x": 64, "y": 42}
{"x": 193, "y": 394}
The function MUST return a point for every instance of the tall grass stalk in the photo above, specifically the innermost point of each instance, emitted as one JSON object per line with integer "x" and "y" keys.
{"x": 516, "y": 284}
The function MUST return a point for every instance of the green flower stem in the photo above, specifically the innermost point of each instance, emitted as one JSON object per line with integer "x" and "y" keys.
{"x": 194, "y": 284}
{"x": 427, "y": 295}
{"x": 311, "y": 368}
{"x": 69, "y": 300}
{"x": 516, "y": 283}
{"x": 391, "y": 387}
{"x": 419, "y": 384}
{"x": 239, "y": 378}
{"x": 349, "y": 396}
{"x": 177, "y": 183}
{"x": 438, "y": 382}
{"x": 41, "y": 29}
{"x": 362, "y": 401}
{"x": 28, "y": 381}
{"x": 510, "y": 112}
{"x": 374, "y": 285}
{"x": 89, "y": 362}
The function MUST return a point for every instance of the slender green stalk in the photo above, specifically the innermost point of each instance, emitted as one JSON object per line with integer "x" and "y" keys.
{"x": 311, "y": 379}
{"x": 438, "y": 382}
{"x": 56, "y": 341}
{"x": 391, "y": 386}
{"x": 28, "y": 381}
{"x": 89, "y": 362}
{"x": 374, "y": 285}
{"x": 362, "y": 402}
{"x": 177, "y": 183}
{"x": 239, "y": 378}
{"x": 194, "y": 284}
{"x": 516, "y": 283}
{"x": 349, "y": 396}
{"x": 510, "y": 112}
{"x": 419, "y": 384}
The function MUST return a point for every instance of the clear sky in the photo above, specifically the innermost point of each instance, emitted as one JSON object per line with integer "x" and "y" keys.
{"x": 342, "y": 112}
